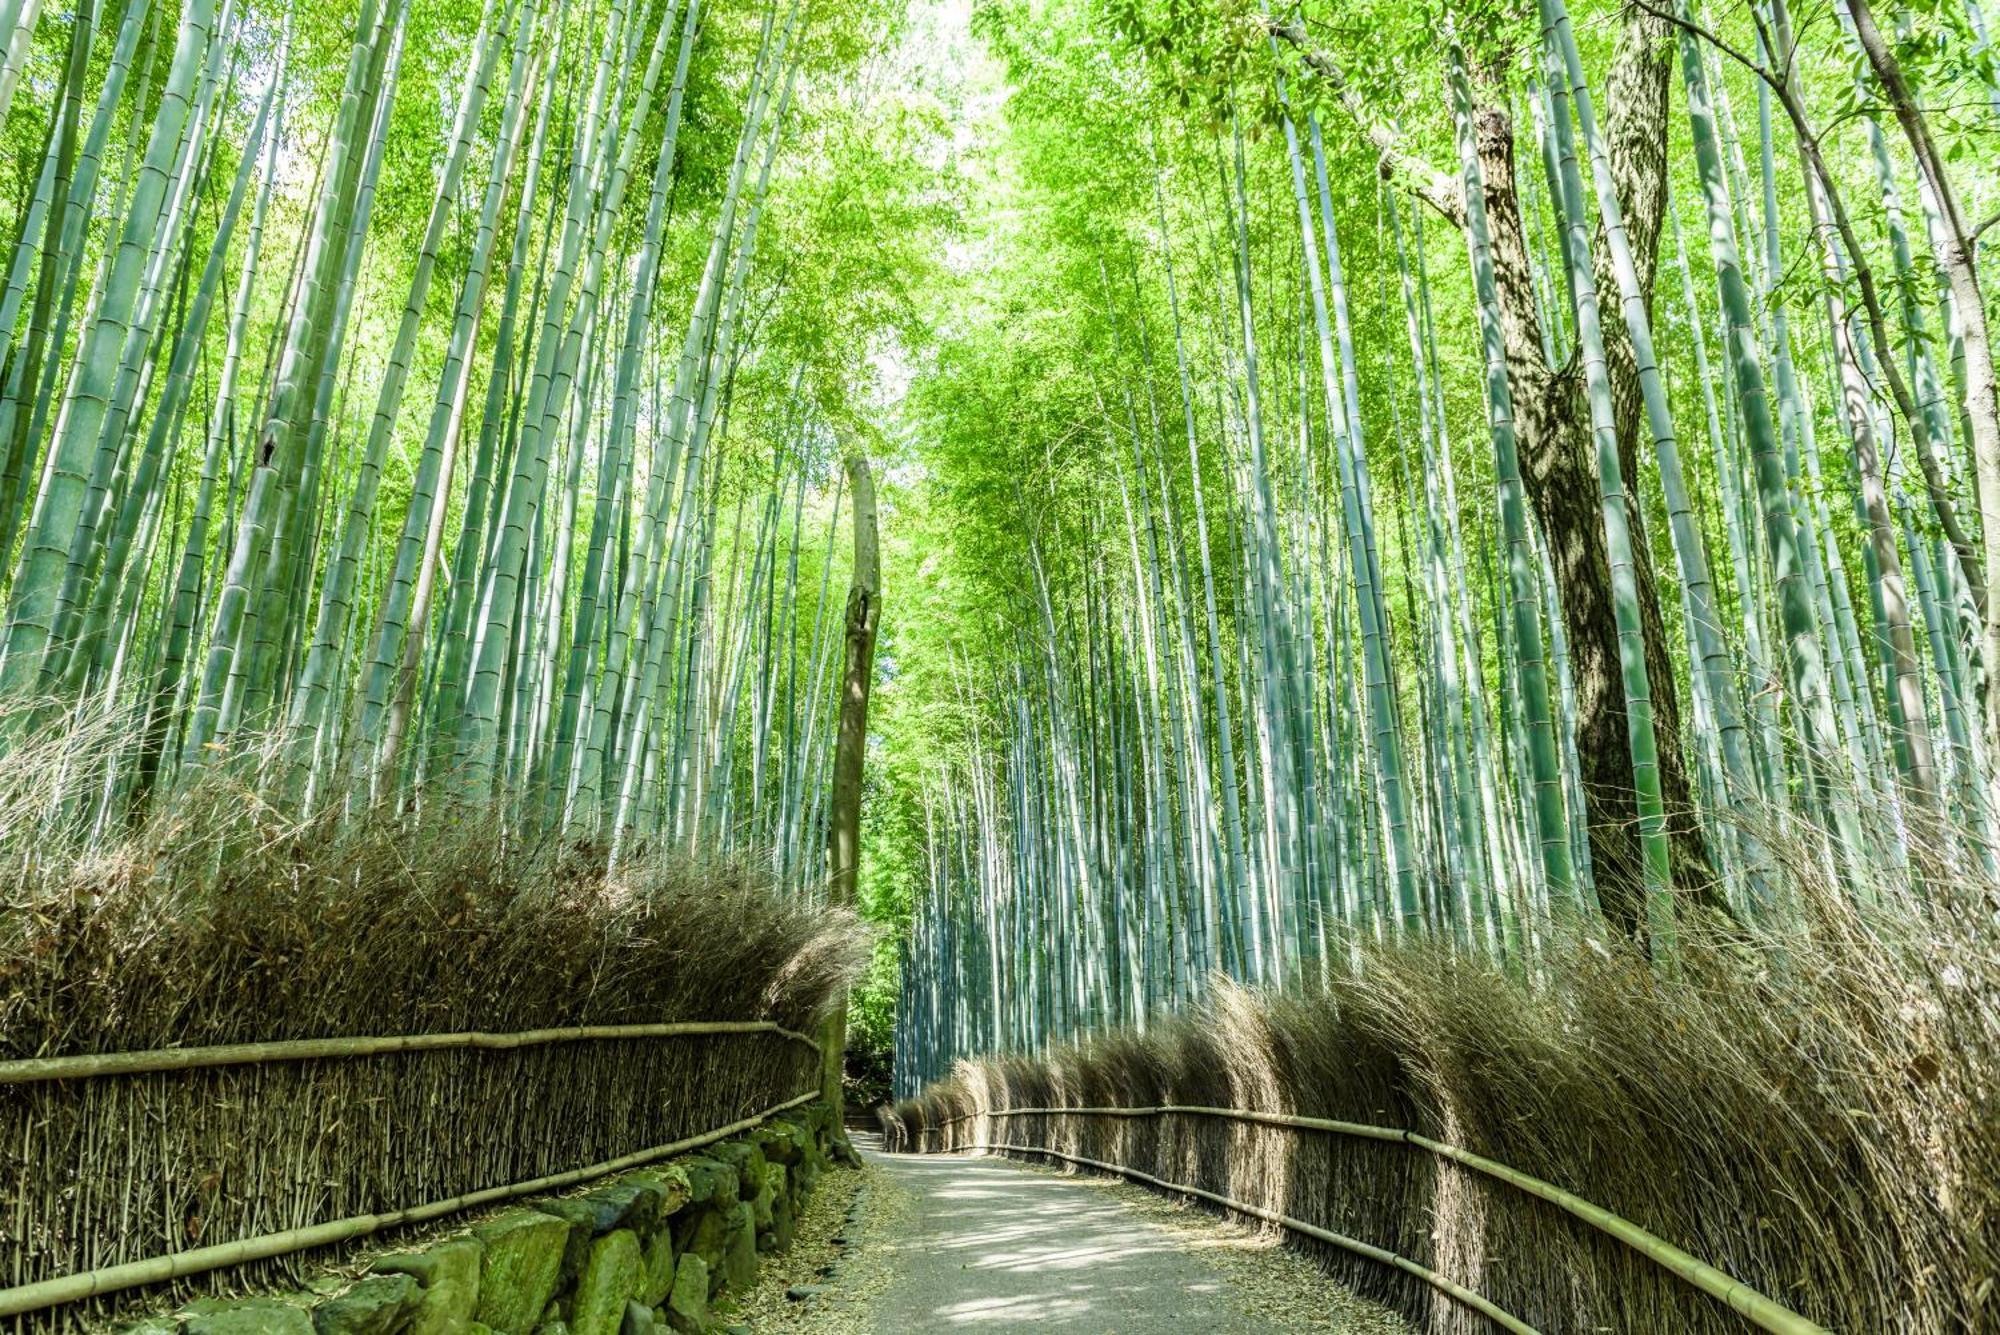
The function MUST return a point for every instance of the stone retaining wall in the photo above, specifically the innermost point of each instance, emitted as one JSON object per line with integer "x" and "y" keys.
{"x": 643, "y": 1252}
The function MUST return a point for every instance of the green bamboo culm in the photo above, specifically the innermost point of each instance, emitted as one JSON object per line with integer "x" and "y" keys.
{"x": 58, "y": 509}
{"x": 1804, "y": 656}
{"x": 1530, "y": 667}
{"x": 1657, "y": 870}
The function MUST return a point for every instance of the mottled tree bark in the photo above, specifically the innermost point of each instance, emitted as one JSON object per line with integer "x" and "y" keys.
{"x": 1554, "y": 428}
{"x": 1553, "y": 422}
{"x": 843, "y": 834}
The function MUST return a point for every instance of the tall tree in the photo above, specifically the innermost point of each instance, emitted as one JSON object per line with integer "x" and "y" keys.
{"x": 843, "y": 836}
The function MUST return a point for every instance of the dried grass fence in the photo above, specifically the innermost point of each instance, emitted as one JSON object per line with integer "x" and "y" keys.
{"x": 343, "y": 1020}
{"x": 514, "y": 1132}
{"x": 1818, "y": 1122}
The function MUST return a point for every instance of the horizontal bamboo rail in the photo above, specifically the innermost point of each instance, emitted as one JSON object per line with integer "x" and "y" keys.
{"x": 1761, "y": 1311}
{"x": 158, "y": 1269}
{"x": 1498, "y": 1315}
{"x": 83, "y": 1066}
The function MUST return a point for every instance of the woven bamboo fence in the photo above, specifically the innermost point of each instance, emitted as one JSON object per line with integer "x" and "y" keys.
{"x": 140, "y": 1166}
{"x": 1610, "y": 1155}
{"x": 1757, "y": 1309}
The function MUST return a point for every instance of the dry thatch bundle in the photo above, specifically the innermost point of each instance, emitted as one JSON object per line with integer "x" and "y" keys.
{"x": 1817, "y": 1114}
{"x": 220, "y": 923}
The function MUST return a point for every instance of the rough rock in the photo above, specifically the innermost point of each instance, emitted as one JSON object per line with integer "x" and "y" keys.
{"x": 687, "y": 1305}
{"x": 784, "y": 1226}
{"x": 783, "y": 1141}
{"x": 246, "y": 1316}
{"x": 636, "y": 1255}
{"x": 672, "y": 1180}
{"x": 705, "y": 1232}
{"x": 583, "y": 1216}
{"x": 771, "y": 1190}
{"x": 746, "y": 1159}
{"x": 709, "y": 1180}
{"x": 378, "y": 1305}
{"x": 739, "y": 1258}
{"x": 523, "y": 1262}
{"x": 656, "y": 1278}
{"x": 637, "y": 1202}
{"x": 449, "y": 1272}
{"x": 610, "y": 1277}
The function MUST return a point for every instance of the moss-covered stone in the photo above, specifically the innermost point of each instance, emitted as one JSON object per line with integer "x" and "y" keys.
{"x": 745, "y": 1158}
{"x": 656, "y": 1276}
{"x": 739, "y": 1256}
{"x": 648, "y": 1251}
{"x": 784, "y": 1226}
{"x": 771, "y": 1185}
{"x": 635, "y": 1202}
{"x": 246, "y": 1316}
{"x": 705, "y": 1232}
{"x": 581, "y": 1216}
{"x": 449, "y": 1272}
{"x": 600, "y": 1211}
{"x": 378, "y": 1305}
{"x": 672, "y": 1181}
{"x": 610, "y": 1279}
{"x": 687, "y": 1305}
{"x": 783, "y": 1140}
{"x": 709, "y": 1180}
{"x": 522, "y": 1264}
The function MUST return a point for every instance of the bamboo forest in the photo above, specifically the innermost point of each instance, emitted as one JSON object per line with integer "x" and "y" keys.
{"x": 1379, "y": 620}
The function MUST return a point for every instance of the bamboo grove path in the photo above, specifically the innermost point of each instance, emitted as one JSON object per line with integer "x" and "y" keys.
{"x": 985, "y": 1244}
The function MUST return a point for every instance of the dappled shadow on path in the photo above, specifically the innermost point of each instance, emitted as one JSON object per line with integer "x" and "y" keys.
{"x": 996, "y": 1248}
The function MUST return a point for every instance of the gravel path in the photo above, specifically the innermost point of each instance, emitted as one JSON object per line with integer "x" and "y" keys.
{"x": 960, "y": 1243}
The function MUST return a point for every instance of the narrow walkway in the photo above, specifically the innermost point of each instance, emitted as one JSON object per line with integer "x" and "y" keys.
{"x": 964, "y": 1243}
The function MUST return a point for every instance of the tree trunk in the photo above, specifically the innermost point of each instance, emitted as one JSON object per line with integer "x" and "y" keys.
{"x": 843, "y": 835}
{"x": 1556, "y": 460}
